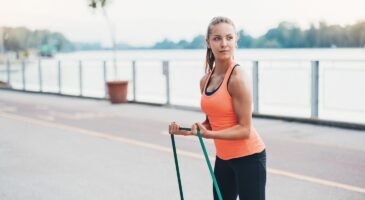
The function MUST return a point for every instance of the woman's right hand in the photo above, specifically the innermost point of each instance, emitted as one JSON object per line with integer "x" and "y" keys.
{"x": 174, "y": 128}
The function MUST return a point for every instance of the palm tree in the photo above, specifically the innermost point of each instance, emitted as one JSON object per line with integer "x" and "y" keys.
{"x": 101, "y": 4}
{"x": 117, "y": 90}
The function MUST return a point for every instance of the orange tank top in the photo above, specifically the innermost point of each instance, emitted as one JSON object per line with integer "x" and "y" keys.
{"x": 218, "y": 106}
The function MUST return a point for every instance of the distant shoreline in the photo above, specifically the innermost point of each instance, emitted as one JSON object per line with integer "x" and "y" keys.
{"x": 263, "y": 48}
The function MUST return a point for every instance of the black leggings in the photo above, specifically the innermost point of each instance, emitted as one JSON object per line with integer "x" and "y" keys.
{"x": 244, "y": 177}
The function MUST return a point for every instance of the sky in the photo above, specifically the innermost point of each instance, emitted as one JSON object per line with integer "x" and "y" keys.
{"x": 145, "y": 22}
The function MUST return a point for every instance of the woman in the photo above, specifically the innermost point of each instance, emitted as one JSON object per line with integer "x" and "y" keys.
{"x": 240, "y": 165}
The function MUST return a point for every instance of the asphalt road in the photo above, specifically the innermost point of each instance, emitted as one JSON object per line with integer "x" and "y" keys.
{"x": 54, "y": 147}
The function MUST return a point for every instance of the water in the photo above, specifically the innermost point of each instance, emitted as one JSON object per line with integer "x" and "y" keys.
{"x": 285, "y": 78}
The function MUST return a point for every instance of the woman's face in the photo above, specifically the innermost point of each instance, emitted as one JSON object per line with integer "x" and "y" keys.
{"x": 222, "y": 41}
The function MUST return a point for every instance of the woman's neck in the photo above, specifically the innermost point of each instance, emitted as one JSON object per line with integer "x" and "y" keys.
{"x": 222, "y": 65}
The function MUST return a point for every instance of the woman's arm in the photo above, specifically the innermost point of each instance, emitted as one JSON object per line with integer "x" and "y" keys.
{"x": 242, "y": 103}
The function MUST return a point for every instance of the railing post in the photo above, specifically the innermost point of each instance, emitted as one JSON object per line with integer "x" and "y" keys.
{"x": 59, "y": 78}
{"x": 80, "y": 77}
{"x": 40, "y": 80}
{"x": 314, "y": 89}
{"x": 8, "y": 71}
{"x": 134, "y": 80}
{"x": 166, "y": 72}
{"x": 105, "y": 85}
{"x": 23, "y": 74}
{"x": 255, "y": 86}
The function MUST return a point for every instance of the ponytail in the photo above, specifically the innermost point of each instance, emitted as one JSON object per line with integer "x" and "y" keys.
{"x": 209, "y": 62}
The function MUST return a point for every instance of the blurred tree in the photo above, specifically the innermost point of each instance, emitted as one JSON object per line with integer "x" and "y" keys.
{"x": 244, "y": 40}
{"x": 198, "y": 42}
{"x": 311, "y": 38}
{"x": 22, "y": 39}
{"x": 165, "y": 44}
{"x": 288, "y": 35}
{"x": 182, "y": 44}
{"x": 357, "y": 34}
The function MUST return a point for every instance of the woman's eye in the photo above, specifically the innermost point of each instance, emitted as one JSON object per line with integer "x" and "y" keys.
{"x": 216, "y": 39}
{"x": 229, "y": 38}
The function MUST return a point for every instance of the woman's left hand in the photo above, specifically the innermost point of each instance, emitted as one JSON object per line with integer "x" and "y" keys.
{"x": 203, "y": 131}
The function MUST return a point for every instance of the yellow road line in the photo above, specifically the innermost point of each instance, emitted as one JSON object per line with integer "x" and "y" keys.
{"x": 180, "y": 152}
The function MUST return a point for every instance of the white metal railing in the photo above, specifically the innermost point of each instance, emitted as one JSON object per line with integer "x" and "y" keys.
{"x": 314, "y": 98}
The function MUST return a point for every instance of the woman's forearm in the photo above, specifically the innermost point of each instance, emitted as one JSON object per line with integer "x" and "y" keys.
{"x": 233, "y": 133}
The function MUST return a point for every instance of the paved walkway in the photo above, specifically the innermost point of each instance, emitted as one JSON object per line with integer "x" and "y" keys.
{"x": 54, "y": 147}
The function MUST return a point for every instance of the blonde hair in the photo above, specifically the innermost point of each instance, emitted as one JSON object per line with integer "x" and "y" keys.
{"x": 210, "y": 59}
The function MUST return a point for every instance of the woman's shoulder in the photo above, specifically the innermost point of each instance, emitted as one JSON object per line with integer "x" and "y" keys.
{"x": 238, "y": 78}
{"x": 239, "y": 73}
{"x": 203, "y": 80}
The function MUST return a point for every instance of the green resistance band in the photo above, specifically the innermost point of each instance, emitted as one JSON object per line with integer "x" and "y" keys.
{"x": 177, "y": 166}
{"x": 206, "y": 158}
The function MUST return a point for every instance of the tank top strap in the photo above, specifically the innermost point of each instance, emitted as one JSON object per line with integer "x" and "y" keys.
{"x": 228, "y": 74}
{"x": 226, "y": 77}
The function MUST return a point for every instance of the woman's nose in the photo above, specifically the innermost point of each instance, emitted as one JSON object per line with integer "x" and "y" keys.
{"x": 224, "y": 42}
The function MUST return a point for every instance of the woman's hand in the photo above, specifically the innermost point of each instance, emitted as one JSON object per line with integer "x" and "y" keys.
{"x": 203, "y": 130}
{"x": 174, "y": 128}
